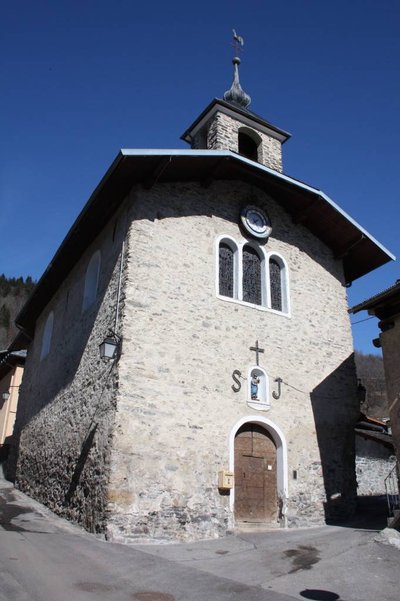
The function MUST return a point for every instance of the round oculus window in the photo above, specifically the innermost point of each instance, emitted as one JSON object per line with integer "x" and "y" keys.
{"x": 256, "y": 221}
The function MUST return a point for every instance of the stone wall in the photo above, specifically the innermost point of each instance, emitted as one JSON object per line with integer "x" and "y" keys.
{"x": 176, "y": 407}
{"x": 223, "y": 134}
{"x": 373, "y": 464}
{"x": 68, "y": 399}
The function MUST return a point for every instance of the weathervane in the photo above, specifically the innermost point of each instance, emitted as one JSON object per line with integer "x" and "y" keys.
{"x": 235, "y": 95}
{"x": 238, "y": 43}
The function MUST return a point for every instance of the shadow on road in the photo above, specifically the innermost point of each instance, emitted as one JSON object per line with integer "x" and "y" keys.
{"x": 9, "y": 510}
{"x": 319, "y": 595}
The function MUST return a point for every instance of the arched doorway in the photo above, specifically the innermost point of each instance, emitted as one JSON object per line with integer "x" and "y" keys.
{"x": 255, "y": 468}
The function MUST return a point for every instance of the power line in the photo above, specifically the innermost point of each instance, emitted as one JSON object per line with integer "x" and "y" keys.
{"x": 361, "y": 320}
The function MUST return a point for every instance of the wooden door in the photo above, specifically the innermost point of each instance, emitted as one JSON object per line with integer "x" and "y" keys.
{"x": 255, "y": 475}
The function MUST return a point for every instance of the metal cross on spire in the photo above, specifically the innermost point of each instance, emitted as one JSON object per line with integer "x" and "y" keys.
{"x": 238, "y": 43}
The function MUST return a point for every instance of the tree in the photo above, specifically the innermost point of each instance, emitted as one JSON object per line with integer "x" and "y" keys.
{"x": 5, "y": 317}
{"x": 14, "y": 293}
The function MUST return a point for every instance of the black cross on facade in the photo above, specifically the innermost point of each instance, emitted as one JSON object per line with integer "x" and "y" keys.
{"x": 257, "y": 350}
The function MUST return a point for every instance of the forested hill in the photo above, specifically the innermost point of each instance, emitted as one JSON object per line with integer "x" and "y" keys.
{"x": 370, "y": 372}
{"x": 14, "y": 292}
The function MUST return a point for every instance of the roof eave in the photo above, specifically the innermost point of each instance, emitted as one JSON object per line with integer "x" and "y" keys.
{"x": 122, "y": 175}
{"x": 281, "y": 134}
{"x": 375, "y": 301}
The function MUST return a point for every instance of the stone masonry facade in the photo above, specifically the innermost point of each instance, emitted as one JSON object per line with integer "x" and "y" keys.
{"x": 67, "y": 400}
{"x": 133, "y": 449}
{"x": 176, "y": 407}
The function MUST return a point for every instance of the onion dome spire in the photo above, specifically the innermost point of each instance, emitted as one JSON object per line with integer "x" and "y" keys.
{"x": 236, "y": 95}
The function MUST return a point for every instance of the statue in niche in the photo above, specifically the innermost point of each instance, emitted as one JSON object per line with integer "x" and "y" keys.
{"x": 255, "y": 381}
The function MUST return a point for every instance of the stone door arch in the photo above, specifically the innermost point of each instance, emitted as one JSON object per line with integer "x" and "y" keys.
{"x": 258, "y": 458}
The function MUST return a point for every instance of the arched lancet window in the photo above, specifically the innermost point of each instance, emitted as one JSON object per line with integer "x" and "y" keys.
{"x": 252, "y": 276}
{"x": 275, "y": 279}
{"x": 245, "y": 272}
{"x": 91, "y": 281}
{"x": 248, "y": 143}
{"x": 47, "y": 335}
{"x": 278, "y": 284}
{"x": 228, "y": 268}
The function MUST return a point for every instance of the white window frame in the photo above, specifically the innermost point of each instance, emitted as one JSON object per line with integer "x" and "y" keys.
{"x": 237, "y": 247}
{"x": 284, "y": 283}
{"x": 231, "y": 242}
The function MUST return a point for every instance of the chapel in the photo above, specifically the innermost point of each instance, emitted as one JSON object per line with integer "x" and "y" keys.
{"x": 190, "y": 361}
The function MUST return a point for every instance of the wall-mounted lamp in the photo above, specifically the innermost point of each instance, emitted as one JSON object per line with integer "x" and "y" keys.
{"x": 110, "y": 347}
{"x": 277, "y": 395}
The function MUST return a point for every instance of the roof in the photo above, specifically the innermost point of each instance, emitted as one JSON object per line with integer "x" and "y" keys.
{"x": 374, "y": 429}
{"x": 229, "y": 108}
{"x": 388, "y": 298}
{"x": 379, "y": 437}
{"x": 9, "y": 359}
{"x": 358, "y": 250}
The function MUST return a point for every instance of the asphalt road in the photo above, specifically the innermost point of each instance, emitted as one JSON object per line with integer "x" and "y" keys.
{"x": 44, "y": 558}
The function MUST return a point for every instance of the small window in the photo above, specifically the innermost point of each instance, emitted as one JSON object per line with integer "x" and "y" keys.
{"x": 226, "y": 270}
{"x": 228, "y": 261}
{"x": 275, "y": 279}
{"x": 47, "y": 335}
{"x": 91, "y": 281}
{"x": 278, "y": 283}
{"x": 252, "y": 277}
{"x": 247, "y": 147}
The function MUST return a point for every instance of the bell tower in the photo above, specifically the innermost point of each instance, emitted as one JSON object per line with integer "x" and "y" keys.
{"x": 229, "y": 125}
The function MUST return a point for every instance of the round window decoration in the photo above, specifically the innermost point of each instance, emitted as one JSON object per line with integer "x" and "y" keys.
{"x": 256, "y": 221}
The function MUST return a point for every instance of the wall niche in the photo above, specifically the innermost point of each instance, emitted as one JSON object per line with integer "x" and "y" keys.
{"x": 258, "y": 389}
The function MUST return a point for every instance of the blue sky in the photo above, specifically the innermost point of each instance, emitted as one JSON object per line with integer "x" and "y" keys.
{"x": 80, "y": 80}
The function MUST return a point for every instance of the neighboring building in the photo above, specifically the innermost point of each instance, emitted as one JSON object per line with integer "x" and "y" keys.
{"x": 375, "y": 457}
{"x": 11, "y": 370}
{"x": 386, "y": 307}
{"x": 226, "y": 281}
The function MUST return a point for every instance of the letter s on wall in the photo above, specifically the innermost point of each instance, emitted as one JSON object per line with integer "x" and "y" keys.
{"x": 236, "y": 375}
